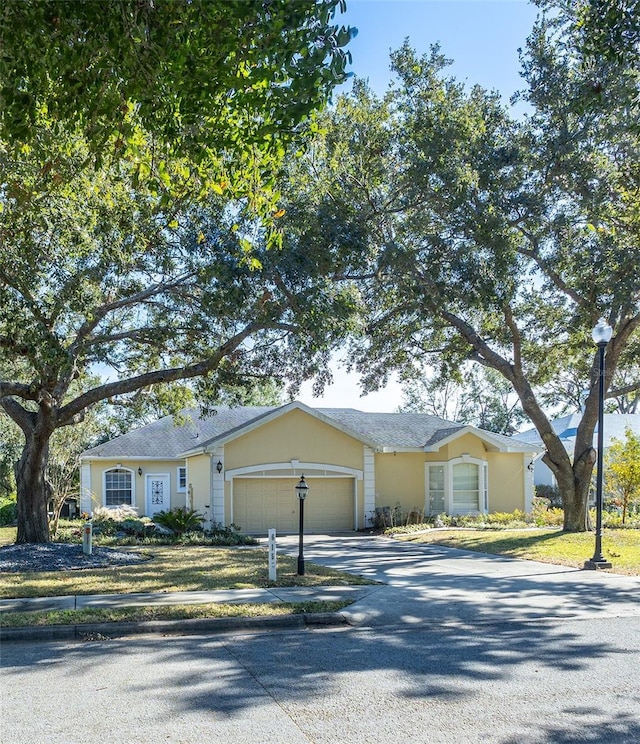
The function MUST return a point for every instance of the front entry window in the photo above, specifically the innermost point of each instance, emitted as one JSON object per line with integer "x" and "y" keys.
{"x": 118, "y": 487}
{"x": 436, "y": 489}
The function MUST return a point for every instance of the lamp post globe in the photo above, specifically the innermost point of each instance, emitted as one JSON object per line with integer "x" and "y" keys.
{"x": 302, "y": 489}
{"x": 601, "y": 335}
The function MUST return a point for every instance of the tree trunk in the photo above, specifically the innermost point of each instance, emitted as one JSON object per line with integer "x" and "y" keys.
{"x": 34, "y": 490}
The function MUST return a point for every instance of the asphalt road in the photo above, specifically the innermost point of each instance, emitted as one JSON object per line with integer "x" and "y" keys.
{"x": 413, "y": 671}
{"x": 511, "y": 683}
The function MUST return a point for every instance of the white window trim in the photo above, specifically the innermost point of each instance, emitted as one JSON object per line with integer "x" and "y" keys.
{"x": 483, "y": 482}
{"x": 180, "y": 489}
{"x": 104, "y": 486}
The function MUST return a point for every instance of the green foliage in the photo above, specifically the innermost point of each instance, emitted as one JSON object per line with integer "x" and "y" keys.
{"x": 223, "y": 83}
{"x": 8, "y": 511}
{"x": 609, "y": 31}
{"x": 158, "y": 288}
{"x": 180, "y": 520}
{"x": 107, "y": 522}
{"x": 622, "y": 471}
{"x": 493, "y": 521}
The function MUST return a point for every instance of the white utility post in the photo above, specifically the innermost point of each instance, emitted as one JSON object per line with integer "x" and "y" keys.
{"x": 272, "y": 555}
{"x": 87, "y": 538}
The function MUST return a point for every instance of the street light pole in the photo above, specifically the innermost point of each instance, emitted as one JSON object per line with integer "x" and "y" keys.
{"x": 302, "y": 489}
{"x": 601, "y": 335}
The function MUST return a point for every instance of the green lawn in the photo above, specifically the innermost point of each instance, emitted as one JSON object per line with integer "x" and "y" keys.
{"x": 620, "y": 547}
{"x": 169, "y": 569}
{"x": 174, "y": 569}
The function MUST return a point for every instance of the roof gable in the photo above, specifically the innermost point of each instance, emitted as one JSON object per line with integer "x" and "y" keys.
{"x": 271, "y": 415}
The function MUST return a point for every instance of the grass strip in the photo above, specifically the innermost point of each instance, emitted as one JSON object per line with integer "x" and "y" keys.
{"x": 621, "y": 547}
{"x": 171, "y": 612}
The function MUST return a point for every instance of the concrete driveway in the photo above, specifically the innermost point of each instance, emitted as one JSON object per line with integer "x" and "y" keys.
{"x": 424, "y": 584}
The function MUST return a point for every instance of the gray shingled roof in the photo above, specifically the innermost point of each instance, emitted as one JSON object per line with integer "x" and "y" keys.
{"x": 165, "y": 439}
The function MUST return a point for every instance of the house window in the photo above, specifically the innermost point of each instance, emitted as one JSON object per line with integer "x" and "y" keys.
{"x": 435, "y": 484}
{"x": 466, "y": 488}
{"x": 182, "y": 479}
{"x": 459, "y": 486}
{"x": 118, "y": 487}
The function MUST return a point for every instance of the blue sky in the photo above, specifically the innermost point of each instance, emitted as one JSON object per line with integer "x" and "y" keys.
{"x": 482, "y": 38}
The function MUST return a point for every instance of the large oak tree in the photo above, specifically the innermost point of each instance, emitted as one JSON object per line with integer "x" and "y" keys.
{"x": 139, "y": 142}
{"x": 97, "y": 274}
{"x": 476, "y": 236}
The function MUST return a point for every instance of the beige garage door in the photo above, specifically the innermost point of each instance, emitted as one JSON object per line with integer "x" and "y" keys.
{"x": 261, "y": 503}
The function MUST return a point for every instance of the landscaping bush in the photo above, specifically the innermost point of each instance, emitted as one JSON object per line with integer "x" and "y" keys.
{"x": 8, "y": 512}
{"x": 180, "y": 520}
{"x": 551, "y": 493}
{"x": 613, "y": 520}
{"x": 546, "y": 515}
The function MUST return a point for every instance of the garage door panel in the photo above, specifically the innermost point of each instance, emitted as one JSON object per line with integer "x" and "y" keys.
{"x": 261, "y": 503}
{"x": 329, "y": 506}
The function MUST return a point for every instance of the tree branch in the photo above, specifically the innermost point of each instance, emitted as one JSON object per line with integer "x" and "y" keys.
{"x": 122, "y": 387}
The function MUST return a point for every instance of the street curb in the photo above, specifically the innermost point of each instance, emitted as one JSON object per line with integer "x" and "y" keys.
{"x": 195, "y": 626}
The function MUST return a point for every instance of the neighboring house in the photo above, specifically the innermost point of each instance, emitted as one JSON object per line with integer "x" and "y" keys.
{"x": 615, "y": 425}
{"x": 241, "y": 466}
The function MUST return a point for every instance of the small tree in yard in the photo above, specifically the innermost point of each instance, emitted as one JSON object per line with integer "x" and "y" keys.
{"x": 622, "y": 470}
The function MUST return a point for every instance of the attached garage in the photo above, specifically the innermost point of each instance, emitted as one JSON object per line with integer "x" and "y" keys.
{"x": 262, "y": 503}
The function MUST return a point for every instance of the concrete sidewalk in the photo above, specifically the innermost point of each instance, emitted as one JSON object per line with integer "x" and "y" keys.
{"x": 188, "y": 626}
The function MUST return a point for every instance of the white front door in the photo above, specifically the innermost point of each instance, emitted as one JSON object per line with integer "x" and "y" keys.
{"x": 158, "y": 493}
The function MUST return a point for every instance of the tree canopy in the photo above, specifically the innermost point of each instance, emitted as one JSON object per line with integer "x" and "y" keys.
{"x": 223, "y": 84}
{"x": 100, "y": 271}
{"x": 139, "y": 145}
{"x": 231, "y": 74}
{"x": 476, "y": 236}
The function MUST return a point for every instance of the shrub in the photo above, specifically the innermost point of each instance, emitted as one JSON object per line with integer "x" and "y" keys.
{"x": 8, "y": 512}
{"x": 551, "y": 493}
{"x": 180, "y": 520}
{"x": 544, "y": 514}
{"x": 385, "y": 517}
{"x": 123, "y": 519}
{"x": 113, "y": 513}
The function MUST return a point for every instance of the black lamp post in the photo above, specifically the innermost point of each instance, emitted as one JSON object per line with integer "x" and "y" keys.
{"x": 302, "y": 489}
{"x": 601, "y": 335}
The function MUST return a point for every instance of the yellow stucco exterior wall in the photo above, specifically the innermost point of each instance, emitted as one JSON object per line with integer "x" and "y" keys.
{"x": 149, "y": 467}
{"x": 506, "y": 481}
{"x": 294, "y": 436}
{"x": 199, "y": 478}
{"x": 400, "y": 480}
{"x": 467, "y": 444}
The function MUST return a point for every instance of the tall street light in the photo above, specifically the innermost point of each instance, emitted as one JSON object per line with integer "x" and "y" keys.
{"x": 601, "y": 335}
{"x": 302, "y": 489}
